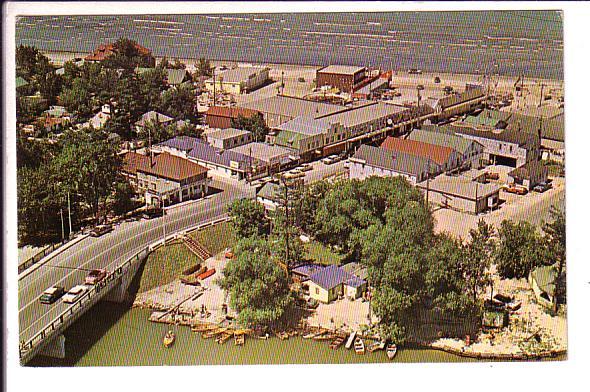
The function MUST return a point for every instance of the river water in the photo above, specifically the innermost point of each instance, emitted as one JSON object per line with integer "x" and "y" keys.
{"x": 115, "y": 335}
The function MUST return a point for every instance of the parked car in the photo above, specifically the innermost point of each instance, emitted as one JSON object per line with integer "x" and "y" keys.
{"x": 100, "y": 230}
{"x": 542, "y": 187}
{"x": 95, "y": 276}
{"x": 52, "y": 294}
{"x": 492, "y": 176}
{"x": 518, "y": 190}
{"x": 414, "y": 71}
{"x": 153, "y": 212}
{"x": 327, "y": 161}
{"x": 306, "y": 167}
{"x": 74, "y": 294}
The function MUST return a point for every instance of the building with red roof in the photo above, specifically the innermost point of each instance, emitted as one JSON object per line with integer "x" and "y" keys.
{"x": 105, "y": 50}
{"x": 222, "y": 116}
{"x": 444, "y": 157}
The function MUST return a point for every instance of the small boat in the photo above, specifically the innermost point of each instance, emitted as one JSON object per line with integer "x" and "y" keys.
{"x": 224, "y": 338}
{"x": 213, "y": 332}
{"x": 359, "y": 346}
{"x": 203, "y": 328}
{"x": 339, "y": 341}
{"x": 169, "y": 338}
{"x": 391, "y": 350}
{"x": 191, "y": 280}
{"x": 350, "y": 340}
{"x": 324, "y": 336}
{"x": 239, "y": 339}
{"x": 282, "y": 335}
{"x": 376, "y": 346}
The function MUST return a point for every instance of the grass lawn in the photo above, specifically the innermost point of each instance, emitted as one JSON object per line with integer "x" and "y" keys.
{"x": 318, "y": 253}
{"x": 216, "y": 238}
{"x": 165, "y": 264}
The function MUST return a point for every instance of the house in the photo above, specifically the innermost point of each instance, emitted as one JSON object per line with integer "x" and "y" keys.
{"x": 273, "y": 158}
{"x": 238, "y": 80}
{"x": 179, "y": 145}
{"x": 304, "y": 134}
{"x": 342, "y": 77}
{"x": 460, "y": 193}
{"x": 268, "y": 196}
{"x": 509, "y": 146}
{"x": 224, "y": 117}
{"x": 376, "y": 161}
{"x": 542, "y": 280}
{"x": 154, "y": 118}
{"x": 99, "y": 119}
{"x": 332, "y": 282}
{"x": 227, "y": 138}
{"x": 166, "y": 178}
{"x": 470, "y": 151}
{"x": 529, "y": 175}
{"x": 105, "y": 50}
{"x": 445, "y": 158}
{"x": 456, "y": 103}
{"x": 302, "y": 272}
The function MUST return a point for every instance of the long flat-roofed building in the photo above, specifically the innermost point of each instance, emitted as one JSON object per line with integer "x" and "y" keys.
{"x": 343, "y": 77}
{"x": 273, "y": 157}
{"x": 461, "y": 193}
{"x": 279, "y": 109}
{"x": 229, "y": 137}
{"x": 239, "y": 80}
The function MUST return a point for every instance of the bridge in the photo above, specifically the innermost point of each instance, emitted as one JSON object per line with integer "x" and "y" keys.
{"x": 120, "y": 252}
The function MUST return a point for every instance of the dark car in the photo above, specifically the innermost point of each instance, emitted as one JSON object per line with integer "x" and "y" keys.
{"x": 52, "y": 294}
{"x": 152, "y": 213}
{"x": 542, "y": 187}
{"x": 95, "y": 276}
{"x": 100, "y": 230}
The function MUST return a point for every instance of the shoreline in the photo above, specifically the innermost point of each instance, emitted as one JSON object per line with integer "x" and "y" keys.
{"x": 58, "y": 57}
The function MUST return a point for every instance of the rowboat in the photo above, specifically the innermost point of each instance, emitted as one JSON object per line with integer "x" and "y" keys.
{"x": 350, "y": 340}
{"x": 203, "y": 328}
{"x": 309, "y": 335}
{"x": 169, "y": 338}
{"x": 223, "y": 338}
{"x": 324, "y": 336}
{"x": 339, "y": 341}
{"x": 376, "y": 346}
{"x": 282, "y": 335}
{"x": 239, "y": 339}
{"x": 391, "y": 350}
{"x": 359, "y": 346}
{"x": 213, "y": 332}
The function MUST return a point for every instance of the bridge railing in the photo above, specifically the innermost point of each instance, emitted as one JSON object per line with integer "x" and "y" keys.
{"x": 28, "y": 348}
{"x": 38, "y": 256}
{"x": 89, "y": 296}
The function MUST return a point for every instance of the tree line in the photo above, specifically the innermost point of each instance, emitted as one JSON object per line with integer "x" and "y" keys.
{"x": 385, "y": 224}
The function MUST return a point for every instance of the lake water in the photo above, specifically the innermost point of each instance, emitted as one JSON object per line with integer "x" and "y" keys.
{"x": 503, "y": 42}
{"x": 114, "y": 335}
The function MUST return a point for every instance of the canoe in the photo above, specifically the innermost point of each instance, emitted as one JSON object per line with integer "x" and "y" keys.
{"x": 376, "y": 346}
{"x": 391, "y": 350}
{"x": 206, "y": 274}
{"x": 339, "y": 341}
{"x": 350, "y": 340}
{"x": 359, "y": 346}
{"x": 239, "y": 339}
{"x": 169, "y": 339}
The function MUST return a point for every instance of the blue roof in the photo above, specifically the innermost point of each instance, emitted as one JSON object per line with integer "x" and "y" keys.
{"x": 330, "y": 277}
{"x": 307, "y": 269}
{"x": 183, "y": 143}
{"x": 355, "y": 281}
{"x": 207, "y": 153}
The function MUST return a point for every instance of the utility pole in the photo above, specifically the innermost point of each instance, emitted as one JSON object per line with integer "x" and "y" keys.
{"x": 69, "y": 216}
{"x": 541, "y": 97}
{"x": 63, "y": 236}
{"x": 214, "y": 86}
{"x": 427, "y": 180}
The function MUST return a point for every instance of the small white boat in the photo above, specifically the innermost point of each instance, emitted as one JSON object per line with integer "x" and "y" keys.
{"x": 391, "y": 350}
{"x": 359, "y": 346}
{"x": 350, "y": 340}
{"x": 376, "y": 346}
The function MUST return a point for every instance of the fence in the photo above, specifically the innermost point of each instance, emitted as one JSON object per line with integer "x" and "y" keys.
{"x": 38, "y": 256}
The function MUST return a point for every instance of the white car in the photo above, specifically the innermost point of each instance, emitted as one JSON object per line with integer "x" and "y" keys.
{"x": 74, "y": 294}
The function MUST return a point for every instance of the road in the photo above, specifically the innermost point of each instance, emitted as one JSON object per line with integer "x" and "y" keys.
{"x": 71, "y": 266}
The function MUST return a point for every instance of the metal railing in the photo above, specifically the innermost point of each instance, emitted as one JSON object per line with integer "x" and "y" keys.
{"x": 27, "y": 349}
{"x": 39, "y": 256}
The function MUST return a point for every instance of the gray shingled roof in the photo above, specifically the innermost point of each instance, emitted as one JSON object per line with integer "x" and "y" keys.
{"x": 364, "y": 114}
{"x": 291, "y": 107}
{"x": 265, "y": 152}
{"x": 455, "y": 142}
{"x": 238, "y": 75}
{"x": 522, "y": 138}
{"x": 305, "y": 125}
{"x": 395, "y": 161}
{"x": 227, "y": 133}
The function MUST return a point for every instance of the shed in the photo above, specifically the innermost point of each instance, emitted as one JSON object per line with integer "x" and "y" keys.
{"x": 530, "y": 174}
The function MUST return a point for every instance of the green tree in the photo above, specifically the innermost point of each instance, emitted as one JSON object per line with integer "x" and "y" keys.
{"x": 180, "y": 102}
{"x": 122, "y": 198}
{"x": 258, "y": 286}
{"x": 248, "y": 218}
{"x": 77, "y": 99}
{"x": 254, "y": 124}
{"x": 153, "y": 83}
{"x": 50, "y": 86}
{"x": 203, "y": 67}
{"x": 128, "y": 56}
{"x": 555, "y": 238}
{"x": 480, "y": 248}
{"x": 520, "y": 249}
{"x": 31, "y": 63}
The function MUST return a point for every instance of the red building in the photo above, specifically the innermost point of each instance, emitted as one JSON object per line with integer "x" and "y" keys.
{"x": 222, "y": 116}
{"x": 104, "y": 51}
{"x": 343, "y": 77}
